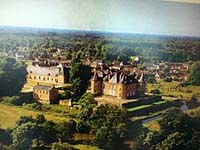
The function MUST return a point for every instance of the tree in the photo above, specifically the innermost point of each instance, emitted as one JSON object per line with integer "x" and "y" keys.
{"x": 174, "y": 120}
{"x": 22, "y": 136}
{"x": 194, "y": 73}
{"x": 174, "y": 141}
{"x": 64, "y": 133}
{"x": 107, "y": 138}
{"x": 176, "y": 132}
{"x": 79, "y": 77}
{"x": 151, "y": 80}
{"x": 49, "y": 132}
{"x": 87, "y": 101}
{"x": 12, "y": 76}
{"x": 109, "y": 124}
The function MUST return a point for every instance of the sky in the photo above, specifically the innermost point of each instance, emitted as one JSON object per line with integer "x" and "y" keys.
{"x": 168, "y": 17}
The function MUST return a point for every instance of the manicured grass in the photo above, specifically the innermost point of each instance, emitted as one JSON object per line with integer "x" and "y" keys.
{"x": 138, "y": 107}
{"x": 86, "y": 147}
{"x": 145, "y": 117}
{"x": 10, "y": 114}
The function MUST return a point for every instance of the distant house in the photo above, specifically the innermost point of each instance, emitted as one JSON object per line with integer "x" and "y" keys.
{"x": 178, "y": 70}
{"x": 45, "y": 94}
{"x": 53, "y": 74}
{"x": 45, "y": 62}
{"x": 20, "y": 55}
{"x": 150, "y": 66}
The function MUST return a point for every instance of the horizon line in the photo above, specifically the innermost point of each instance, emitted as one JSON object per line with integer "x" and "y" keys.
{"x": 105, "y": 31}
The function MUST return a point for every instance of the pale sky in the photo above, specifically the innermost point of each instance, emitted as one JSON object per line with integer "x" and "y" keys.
{"x": 173, "y": 17}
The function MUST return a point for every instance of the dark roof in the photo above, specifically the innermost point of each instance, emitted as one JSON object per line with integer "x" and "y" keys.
{"x": 47, "y": 71}
{"x": 120, "y": 77}
{"x": 43, "y": 87}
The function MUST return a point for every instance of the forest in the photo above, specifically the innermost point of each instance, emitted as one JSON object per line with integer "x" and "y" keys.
{"x": 100, "y": 45}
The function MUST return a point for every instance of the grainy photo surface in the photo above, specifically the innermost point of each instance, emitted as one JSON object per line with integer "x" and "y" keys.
{"x": 99, "y": 75}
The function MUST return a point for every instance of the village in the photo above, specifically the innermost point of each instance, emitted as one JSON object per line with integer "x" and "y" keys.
{"x": 118, "y": 81}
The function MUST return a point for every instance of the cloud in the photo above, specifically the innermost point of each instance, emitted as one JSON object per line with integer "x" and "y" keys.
{"x": 184, "y": 1}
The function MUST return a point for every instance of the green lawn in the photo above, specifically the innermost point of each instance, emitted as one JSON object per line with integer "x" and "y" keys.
{"x": 173, "y": 89}
{"x": 86, "y": 147}
{"x": 138, "y": 107}
{"x": 10, "y": 114}
{"x": 152, "y": 125}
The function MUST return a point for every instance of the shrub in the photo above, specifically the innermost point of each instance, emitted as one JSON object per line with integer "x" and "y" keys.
{"x": 155, "y": 91}
{"x": 168, "y": 79}
{"x": 151, "y": 80}
{"x": 10, "y": 100}
{"x": 16, "y": 100}
{"x": 183, "y": 84}
{"x": 66, "y": 94}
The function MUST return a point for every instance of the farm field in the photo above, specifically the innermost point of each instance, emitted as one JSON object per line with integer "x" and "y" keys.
{"x": 174, "y": 89}
{"x": 10, "y": 114}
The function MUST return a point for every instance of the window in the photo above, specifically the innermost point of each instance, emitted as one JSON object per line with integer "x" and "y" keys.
{"x": 112, "y": 90}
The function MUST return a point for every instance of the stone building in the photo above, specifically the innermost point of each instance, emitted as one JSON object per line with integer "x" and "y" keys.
{"x": 53, "y": 74}
{"x": 118, "y": 84}
{"x": 45, "y": 94}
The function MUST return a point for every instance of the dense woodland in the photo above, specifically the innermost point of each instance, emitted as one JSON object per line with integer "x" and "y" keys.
{"x": 108, "y": 46}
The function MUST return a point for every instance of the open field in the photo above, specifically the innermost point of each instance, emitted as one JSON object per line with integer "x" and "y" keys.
{"x": 10, "y": 114}
{"x": 86, "y": 147}
{"x": 173, "y": 89}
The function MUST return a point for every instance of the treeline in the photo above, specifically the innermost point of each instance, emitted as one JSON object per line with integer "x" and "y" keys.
{"x": 106, "y": 46}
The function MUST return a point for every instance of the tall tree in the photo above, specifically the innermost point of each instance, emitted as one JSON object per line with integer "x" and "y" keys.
{"x": 194, "y": 74}
{"x": 79, "y": 76}
{"x": 12, "y": 76}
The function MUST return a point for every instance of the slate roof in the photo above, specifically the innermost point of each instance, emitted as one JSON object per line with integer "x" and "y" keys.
{"x": 52, "y": 71}
{"x": 120, "y": 77}
{"x": 42, "y": 87}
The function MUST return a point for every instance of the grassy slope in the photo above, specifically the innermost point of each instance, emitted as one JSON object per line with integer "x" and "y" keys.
{"x": 172, "y": 89}
{"x": 10, "y": 114}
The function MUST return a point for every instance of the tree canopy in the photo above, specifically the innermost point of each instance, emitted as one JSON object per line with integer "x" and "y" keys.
{"x": 79, "y": 77}
{"x": 194, "y": 73}
{"x": 177, "y": 131}
{"x": 12, "y": 76}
